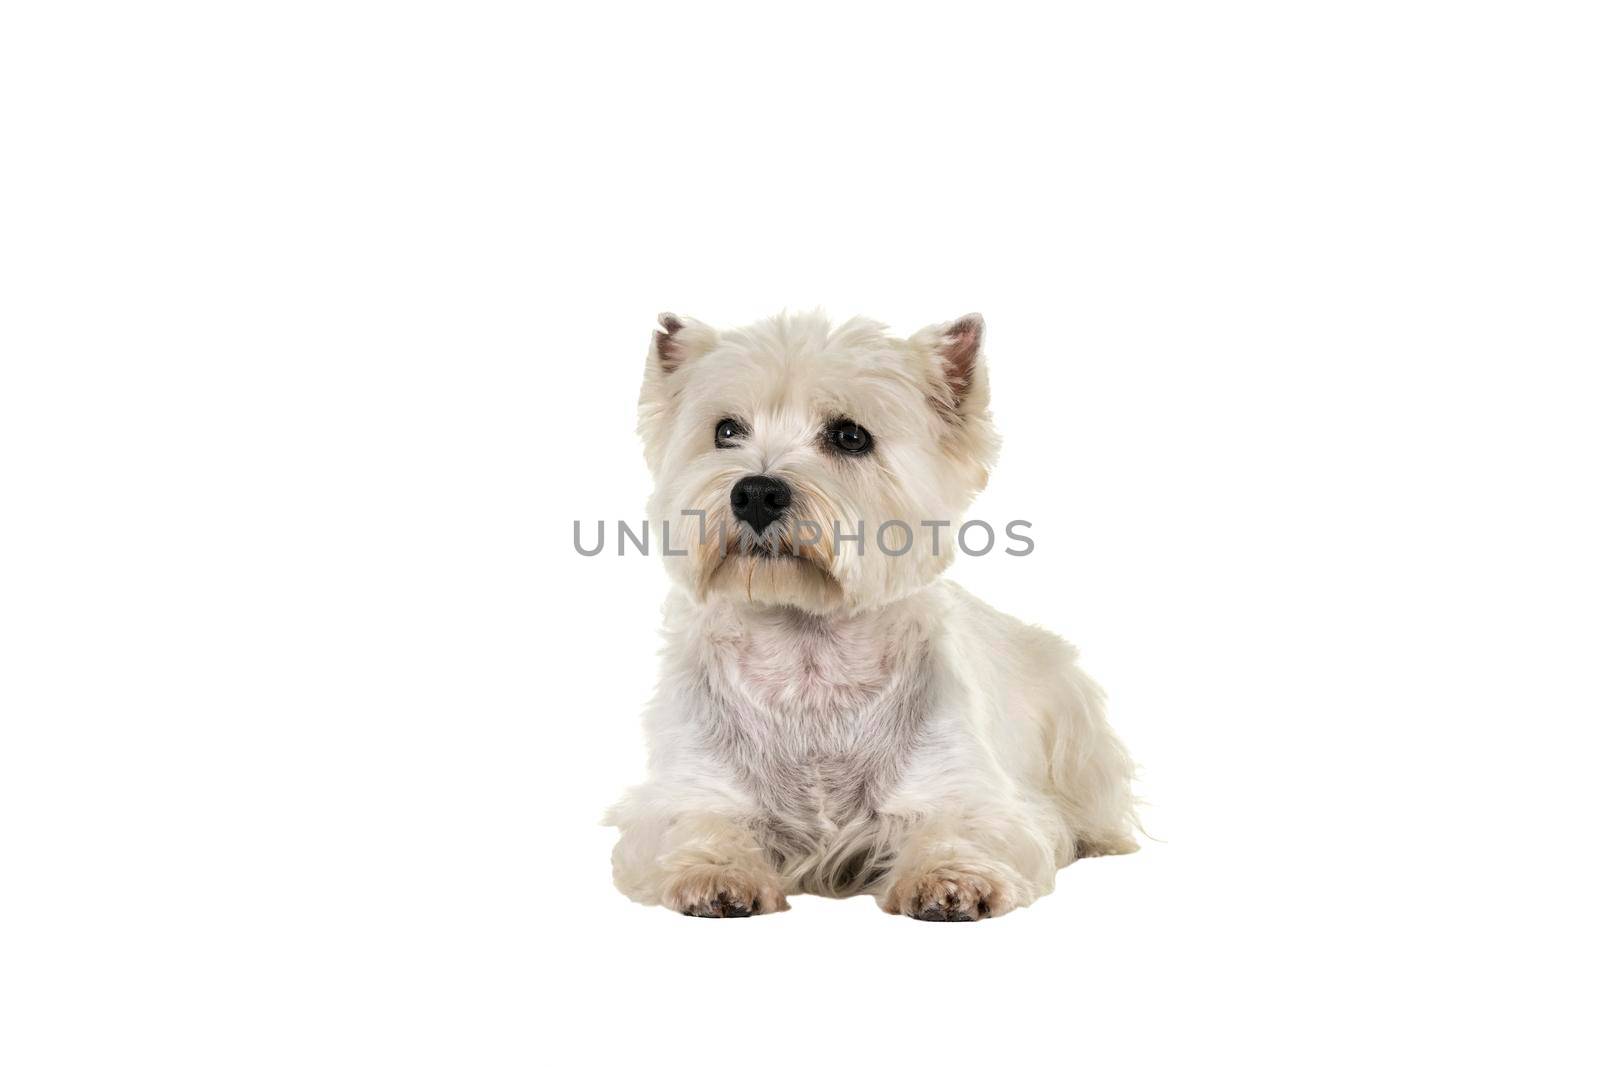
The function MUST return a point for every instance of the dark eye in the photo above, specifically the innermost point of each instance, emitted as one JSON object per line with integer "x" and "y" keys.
{"x": 846, "y": 436}
{"x": 728, "y": 431}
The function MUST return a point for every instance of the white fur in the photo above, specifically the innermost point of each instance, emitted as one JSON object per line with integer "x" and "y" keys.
{"x": 846, "y": 721}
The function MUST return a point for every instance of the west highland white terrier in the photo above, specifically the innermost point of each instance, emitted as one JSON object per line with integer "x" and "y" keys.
{"x": 832, "y": 717}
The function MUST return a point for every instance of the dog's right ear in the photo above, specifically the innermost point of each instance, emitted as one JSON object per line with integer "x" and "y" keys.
{"x": 679, "y": 340}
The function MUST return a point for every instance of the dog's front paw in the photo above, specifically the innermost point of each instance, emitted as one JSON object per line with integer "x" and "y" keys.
{"x": 951, "y": 894}
{"x": 712, "y": 892}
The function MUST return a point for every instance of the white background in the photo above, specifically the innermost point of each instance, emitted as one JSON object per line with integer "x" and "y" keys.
{"x": 323, "y": 322}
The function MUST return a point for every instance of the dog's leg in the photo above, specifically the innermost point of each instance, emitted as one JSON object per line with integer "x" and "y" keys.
{"x": 952, "y": 890}
{"x": 965, "y": 867}
{"x": 716, "y": 869}
{"x": 707, "y": 863}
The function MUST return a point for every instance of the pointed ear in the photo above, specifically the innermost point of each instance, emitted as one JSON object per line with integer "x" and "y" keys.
{"x": 960, "y": 379}
{"x": 679, "y": 340}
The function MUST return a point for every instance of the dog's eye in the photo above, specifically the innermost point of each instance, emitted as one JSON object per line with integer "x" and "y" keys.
{"x": 846, "y": 436}
{"x": 728, "y": 431}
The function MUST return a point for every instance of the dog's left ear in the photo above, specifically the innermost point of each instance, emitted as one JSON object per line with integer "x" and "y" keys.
{"x": 958, "y": 377}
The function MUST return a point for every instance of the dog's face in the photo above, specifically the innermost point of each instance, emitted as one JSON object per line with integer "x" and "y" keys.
{"x": 821, "y": 458}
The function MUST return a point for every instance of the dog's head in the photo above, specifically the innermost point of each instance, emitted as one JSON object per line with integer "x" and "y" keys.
{"x": 810, "y": 466}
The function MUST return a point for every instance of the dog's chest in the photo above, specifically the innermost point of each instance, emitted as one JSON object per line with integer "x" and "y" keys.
{"x": 818, "y": 721}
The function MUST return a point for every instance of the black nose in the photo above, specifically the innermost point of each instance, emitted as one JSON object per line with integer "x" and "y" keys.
{"x": 757, "y": 500}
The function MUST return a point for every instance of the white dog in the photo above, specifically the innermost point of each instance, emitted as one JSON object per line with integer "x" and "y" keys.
{"x": 832, "y": 716}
